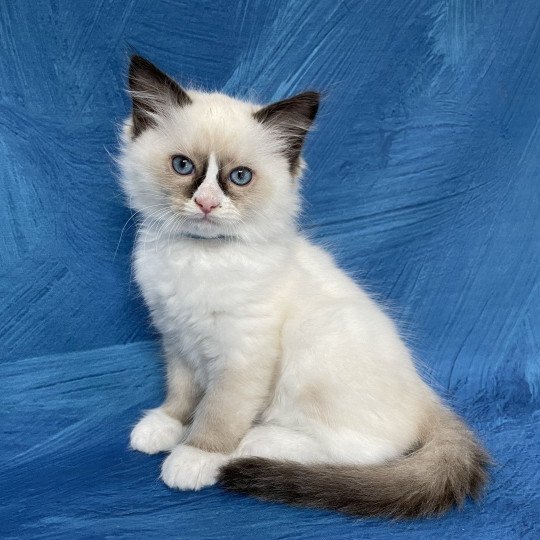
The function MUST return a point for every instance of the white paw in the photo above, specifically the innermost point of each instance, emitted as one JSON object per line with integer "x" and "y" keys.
{"x": 156, "y": 432}
{"x": 191, "y": 468}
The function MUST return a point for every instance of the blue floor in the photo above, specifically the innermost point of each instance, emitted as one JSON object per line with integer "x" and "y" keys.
{"x": 67, "y": 471}
{"x": 423, "y": 180}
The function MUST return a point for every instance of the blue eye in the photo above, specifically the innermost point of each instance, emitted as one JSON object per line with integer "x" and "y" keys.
{"x": 241, "y": 176}
{"x": 182, "y": 165}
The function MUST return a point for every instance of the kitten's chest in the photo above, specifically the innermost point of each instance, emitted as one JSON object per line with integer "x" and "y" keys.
{"x": 195, "y": 293}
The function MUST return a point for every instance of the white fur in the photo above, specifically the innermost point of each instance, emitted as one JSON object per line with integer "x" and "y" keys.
{"x": 209, "y": 191}
{"x": 320, "y": 371}
{"x": 190, "y": 468}
{"x": 156, "y": 432}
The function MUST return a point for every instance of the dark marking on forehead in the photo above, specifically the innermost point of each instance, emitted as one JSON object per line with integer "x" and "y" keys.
{"x": 200, "y": 173}
{"x": 222, "y": 177}
{"x": 222, "y": 180}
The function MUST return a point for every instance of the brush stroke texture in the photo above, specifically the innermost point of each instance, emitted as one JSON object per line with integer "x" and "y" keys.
{"x": 423, "y": 179}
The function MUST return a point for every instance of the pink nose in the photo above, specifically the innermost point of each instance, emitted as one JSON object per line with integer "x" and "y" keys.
{"x": 206, "y": 205}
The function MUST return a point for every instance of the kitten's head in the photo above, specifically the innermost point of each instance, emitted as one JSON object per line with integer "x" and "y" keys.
{"x": 207, "y": 165}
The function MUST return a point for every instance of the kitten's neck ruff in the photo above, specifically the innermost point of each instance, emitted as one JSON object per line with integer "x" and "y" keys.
{"x": 212, "y": 260}
{"x": 158, "y": 236}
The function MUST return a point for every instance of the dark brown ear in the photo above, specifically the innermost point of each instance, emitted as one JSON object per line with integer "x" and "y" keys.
{"x": 292, "y": 118}
{"x": 151, "y": 90}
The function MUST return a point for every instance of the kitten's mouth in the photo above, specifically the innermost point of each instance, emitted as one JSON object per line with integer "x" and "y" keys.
{"x": 203, "y": 226}
{"x": 206, "y": 218}
{"x": 204, "y": 230}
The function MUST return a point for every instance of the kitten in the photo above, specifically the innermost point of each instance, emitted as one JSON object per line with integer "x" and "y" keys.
{"x": 284, "y": 379}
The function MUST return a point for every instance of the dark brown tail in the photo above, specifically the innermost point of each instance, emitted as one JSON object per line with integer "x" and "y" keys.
{"x": 449, "y": 466}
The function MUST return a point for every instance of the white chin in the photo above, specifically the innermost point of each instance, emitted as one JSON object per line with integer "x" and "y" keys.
{"x": 203, "y": 228}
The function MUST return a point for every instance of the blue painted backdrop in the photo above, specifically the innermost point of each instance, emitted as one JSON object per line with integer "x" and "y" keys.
{"x": 424, "y": 179}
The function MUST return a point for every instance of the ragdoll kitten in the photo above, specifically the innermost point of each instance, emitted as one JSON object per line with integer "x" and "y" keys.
{"x": 284, "y": 378}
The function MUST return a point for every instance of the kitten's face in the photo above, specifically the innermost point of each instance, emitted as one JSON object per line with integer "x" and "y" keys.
{"x": 209, "y": 166}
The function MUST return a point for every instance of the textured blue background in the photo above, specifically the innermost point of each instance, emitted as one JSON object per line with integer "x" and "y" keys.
{"x": 424, "y": 179}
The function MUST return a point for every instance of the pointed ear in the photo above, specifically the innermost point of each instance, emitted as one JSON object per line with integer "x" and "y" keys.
{"x": 151, "y": 90}
{"x": 291, "y": 118}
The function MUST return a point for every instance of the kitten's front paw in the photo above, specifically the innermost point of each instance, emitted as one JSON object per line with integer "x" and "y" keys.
{"x": 156, "y": 432}
{"x": 188, "y": 467}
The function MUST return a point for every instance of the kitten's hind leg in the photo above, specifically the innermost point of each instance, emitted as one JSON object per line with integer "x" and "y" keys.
{"x": 280, "y": 443}
{"x": 189, "y": 468}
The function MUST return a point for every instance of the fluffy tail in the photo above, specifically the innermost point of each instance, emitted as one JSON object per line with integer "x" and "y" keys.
{"x": 448, "y": 466}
